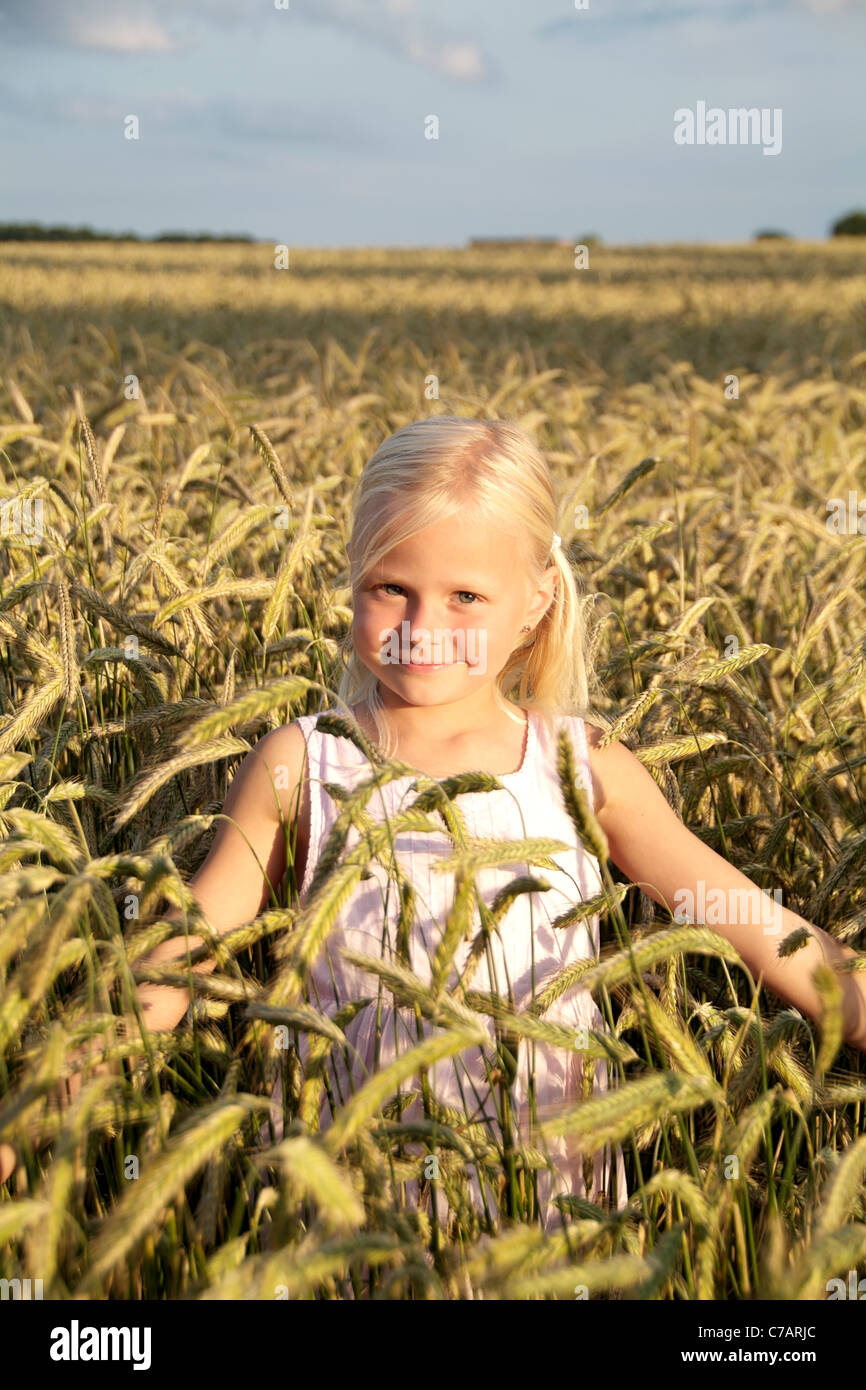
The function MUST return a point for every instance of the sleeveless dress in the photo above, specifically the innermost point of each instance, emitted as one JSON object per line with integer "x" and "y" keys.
{"x": 524, "y": 953}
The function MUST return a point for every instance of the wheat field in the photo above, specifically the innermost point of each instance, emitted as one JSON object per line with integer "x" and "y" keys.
{"x": 191, "y": 420}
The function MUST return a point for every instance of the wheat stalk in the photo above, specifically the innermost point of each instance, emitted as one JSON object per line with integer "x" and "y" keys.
{"x": 275, "y": 468}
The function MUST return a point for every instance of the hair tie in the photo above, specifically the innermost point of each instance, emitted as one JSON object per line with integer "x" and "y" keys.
{"x": 557, "y": 541}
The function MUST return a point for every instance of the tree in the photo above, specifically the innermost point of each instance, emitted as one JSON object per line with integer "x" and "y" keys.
{"x": 852, "y": 224}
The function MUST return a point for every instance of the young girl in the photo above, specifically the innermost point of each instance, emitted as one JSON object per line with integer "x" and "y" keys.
{"x": 466, "y": 654}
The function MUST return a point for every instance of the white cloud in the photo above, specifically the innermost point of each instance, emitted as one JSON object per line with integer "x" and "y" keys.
{"x": 394, "y": 26}
{"x": 463, "y": 60}
{"x": 87, "y": 24}
{"x": 114, "y": 34}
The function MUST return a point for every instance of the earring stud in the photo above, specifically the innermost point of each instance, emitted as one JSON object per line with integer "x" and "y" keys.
{"x": 526, "y": 628}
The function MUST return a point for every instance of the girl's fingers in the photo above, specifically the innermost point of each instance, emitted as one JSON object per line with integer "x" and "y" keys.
{"x": 8, "y": 1161}
{"x": 66, "y": 1091}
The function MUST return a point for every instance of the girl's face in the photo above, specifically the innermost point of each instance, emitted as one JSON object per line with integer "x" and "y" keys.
{"x": 439, "y": 616}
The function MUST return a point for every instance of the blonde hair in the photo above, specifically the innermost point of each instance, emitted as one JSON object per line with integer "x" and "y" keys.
{"x": 421, "y": 474}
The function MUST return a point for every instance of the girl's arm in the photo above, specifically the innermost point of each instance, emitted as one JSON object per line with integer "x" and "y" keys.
{"x": 248, "y": 853}
{"x": 653, "y": 848}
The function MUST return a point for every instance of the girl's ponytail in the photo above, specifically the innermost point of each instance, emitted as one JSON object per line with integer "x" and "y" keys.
{"x": 550, "y": 671}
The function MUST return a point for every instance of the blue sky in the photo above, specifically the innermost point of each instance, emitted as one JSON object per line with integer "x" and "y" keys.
{"x": 306, "y": 125}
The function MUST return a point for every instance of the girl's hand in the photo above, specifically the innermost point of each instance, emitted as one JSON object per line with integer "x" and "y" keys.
{"x": 8, "y": 1161}
{"x": 76, "y": 1071}
{"x": 162, "y": 1008}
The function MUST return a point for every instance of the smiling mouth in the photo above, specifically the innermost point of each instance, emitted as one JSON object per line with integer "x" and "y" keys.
{"x": 411, "y": 665}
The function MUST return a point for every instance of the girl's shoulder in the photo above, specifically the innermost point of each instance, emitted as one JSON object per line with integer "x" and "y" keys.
{"x": 617, "y": 775}
{"x": 285, "y": 751}
{"x": 305, "y": 723}
{"x": 302, "y": 727}
{"x": 308, "y": 749}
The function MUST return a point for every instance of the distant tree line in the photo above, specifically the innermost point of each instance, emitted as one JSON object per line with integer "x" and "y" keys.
{"x": 852, "y": 224}
{"x": 37, "y": 231}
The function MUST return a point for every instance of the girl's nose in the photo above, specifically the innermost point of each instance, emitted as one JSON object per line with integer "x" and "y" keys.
{"x": 423, "y": 619}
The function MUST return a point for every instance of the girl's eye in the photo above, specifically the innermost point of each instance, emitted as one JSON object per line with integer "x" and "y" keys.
{"x": 461, "y": 593}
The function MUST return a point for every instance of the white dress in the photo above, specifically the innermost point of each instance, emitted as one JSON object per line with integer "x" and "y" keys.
{"x": 525, "y": 953}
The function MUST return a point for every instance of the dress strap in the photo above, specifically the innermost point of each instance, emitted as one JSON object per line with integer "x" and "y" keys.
{"x": 317, "y": 774}
{"x": 581, "y": 755}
